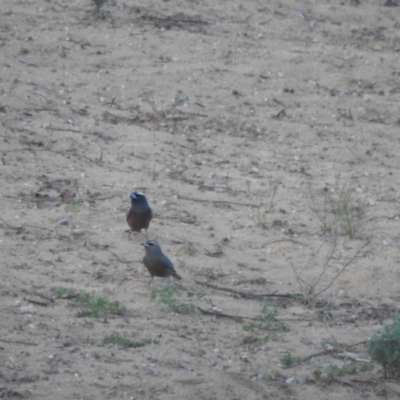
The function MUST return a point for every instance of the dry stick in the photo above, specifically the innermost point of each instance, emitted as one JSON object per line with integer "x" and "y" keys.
{"x": 284, "y": 240}
{"x": 323, "y": 353}
{"x": 304, "y": 359}
{"x": 170, "y": 19}
{"x": 18, "y": 342}
{"x": 221, "y": 314}
{"x": 218, "y": 201}
{"x": 245, "y": 294}
{"x": 53, "y": 128}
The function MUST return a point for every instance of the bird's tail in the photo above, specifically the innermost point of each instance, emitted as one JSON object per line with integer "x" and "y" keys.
{"x": 176, "y": 276}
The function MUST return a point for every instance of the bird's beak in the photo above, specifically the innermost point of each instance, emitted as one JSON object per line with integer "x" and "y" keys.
{"x": 144, "y": 244}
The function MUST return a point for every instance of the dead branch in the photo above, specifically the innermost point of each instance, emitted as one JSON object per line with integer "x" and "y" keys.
{"x": 248, "y": 295}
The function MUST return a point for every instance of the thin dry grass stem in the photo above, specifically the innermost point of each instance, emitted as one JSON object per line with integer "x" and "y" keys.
{"x": 338, "y": 210}
{"x": 313, "y": 289}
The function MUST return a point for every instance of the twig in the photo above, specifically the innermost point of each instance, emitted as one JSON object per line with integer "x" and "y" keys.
{"x": 248, "y": 295}
{"x": 218, "y": 201}
{"x": 52, "y": 128}
{"x": 283, "y": 240}
{"x": 18, "y": 342}
{"x": 304, "y": 359}
{"x": 344, "y": 267}
{"x": 220, "y": 314}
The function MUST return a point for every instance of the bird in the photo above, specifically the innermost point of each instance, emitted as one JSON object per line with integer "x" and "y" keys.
{"x": 140, "y": 213}
{"x": 157, "y": 263}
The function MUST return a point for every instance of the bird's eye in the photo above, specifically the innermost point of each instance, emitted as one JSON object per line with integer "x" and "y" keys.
{"x": 151, "y": 243}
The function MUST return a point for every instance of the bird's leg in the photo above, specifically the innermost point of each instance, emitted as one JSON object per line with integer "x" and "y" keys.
{"x": 129, "y": 234}
{"x": 171, "y": 281}
{"x": 152, "y": 277}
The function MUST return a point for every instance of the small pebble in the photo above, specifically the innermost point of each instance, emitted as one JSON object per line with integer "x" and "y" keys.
{"x": 154, "y": 371}
{"x": 29, "y": 309}
{"x": 63, "y": 221}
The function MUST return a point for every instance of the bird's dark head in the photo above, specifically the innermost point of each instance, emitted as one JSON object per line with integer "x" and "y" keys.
{"x": 139, "y": 199}
{"x": 149, "y": 244}
{"x": 152, "y": 246}
{"x": 137, "y": 195}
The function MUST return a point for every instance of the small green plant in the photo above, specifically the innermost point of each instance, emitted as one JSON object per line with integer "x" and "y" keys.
{"x": 96, "y": 306}
{"x": 190, "y": 250}
{"x": 368, "y": 366}
{"x": 210, "y": 273}
{"x": 385, "y": 348}
{"x": 267, "y": 322}
{"x": 338, "y": 209}
{"x": 126, "y": 342}
{"x": 65, "y": 293}
{"x": 167, "y": 296}
{"x": 317, "y": 374}
{"x": 92, "y": 306}
{"x": 288, "y": 359}
{"x": 74, "y": 206}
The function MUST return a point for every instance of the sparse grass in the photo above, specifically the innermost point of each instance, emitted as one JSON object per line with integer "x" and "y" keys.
{"x": 74, "y": 206}
{"x": 189, "y": 250}
{"x": 125, "y": 342}
{"x": 65, "y": 293}
{"x": 338, "y": 209}
{"x": 385, "y": 348}
{"x": 260, "y": 214}
{"x": 317, "y": 374}
{"x": 92, "y": 306}
{"x": 179, "y": 99}
{"x": 288, "y": 359}
{"x": 346, "y": 369}
{"x": 167, "y": 297}
{"x": 210, "y": 273}
{"x": 267, "y": 322}
{"x": 366, "y": 367}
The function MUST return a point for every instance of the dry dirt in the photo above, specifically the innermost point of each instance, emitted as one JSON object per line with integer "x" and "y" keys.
{"x": 207, "y": 107}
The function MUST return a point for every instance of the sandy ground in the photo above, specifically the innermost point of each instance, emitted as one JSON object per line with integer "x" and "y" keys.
{"x": 210, "y": 108}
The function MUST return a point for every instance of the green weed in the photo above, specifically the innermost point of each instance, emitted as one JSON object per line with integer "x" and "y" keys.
{"x": 267, "y": 322}
{"x": 167, "y": 297}
{"x": 190, "y": 250}
{"x": 288, "y": 359}
{"x": 346, "y": 369}
{"x": 65, "y": 293}
{"x": 91, "y": 305}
